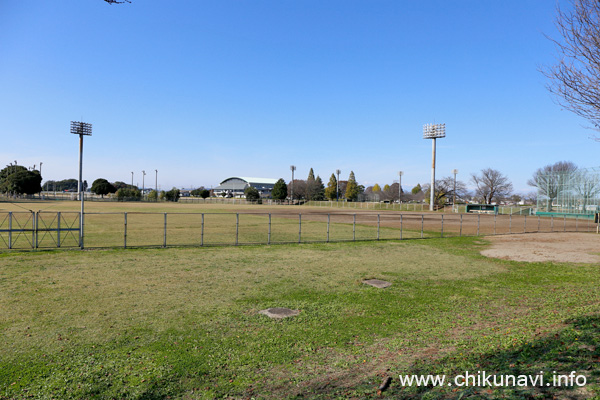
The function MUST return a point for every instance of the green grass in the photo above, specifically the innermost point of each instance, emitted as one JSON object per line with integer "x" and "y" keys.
{"x": 183, "y": 322}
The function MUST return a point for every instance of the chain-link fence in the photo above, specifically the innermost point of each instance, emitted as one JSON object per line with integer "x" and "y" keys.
{"x": 35, "y": 230}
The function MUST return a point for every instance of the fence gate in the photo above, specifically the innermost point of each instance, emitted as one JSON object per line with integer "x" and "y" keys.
{"x": 57, "y": 229}
{"x": 32, "y": 230}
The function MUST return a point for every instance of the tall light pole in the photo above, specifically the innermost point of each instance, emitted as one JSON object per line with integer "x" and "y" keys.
{"x": 292, "y": 168}
{"x": 400, "y": 173}
{"x": 454, "y": 171}
{"x": 337, "y": 189}
{"x": 143, "y": 183}
{"x": 433, "y": 131}
{"x": 82, "y": 129}
{"x": 132, "y": 179}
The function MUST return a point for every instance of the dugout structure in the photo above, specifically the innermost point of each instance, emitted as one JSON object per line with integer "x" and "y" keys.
{"x": 574, "y": 193}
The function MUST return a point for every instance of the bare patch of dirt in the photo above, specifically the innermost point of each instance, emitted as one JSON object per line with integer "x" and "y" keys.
{"x": 539, "y": 247}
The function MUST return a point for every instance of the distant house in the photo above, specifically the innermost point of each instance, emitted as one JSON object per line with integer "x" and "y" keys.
{"x": 235, "y": 186}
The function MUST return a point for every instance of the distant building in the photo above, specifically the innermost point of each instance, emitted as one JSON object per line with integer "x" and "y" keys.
{"x": 235, "y": 186}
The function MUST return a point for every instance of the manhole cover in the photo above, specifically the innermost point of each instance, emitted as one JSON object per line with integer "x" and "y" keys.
{"x": 279, "y": 312}
{"x": 377, "y": 283}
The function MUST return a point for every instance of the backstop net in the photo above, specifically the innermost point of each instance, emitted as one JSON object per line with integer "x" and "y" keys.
{"x": 575, "y": 193}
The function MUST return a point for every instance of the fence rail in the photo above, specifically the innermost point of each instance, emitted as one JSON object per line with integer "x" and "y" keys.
{"x": 43, "y": 229}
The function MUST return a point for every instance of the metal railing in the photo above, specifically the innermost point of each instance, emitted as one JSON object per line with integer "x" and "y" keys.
{"x": 43, "y": 229}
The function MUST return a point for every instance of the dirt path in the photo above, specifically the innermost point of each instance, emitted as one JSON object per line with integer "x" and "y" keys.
{"x": 558, "y": 247}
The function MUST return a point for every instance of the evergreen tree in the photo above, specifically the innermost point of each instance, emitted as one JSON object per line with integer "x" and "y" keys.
{"x": 416, "y": 189}
{"x": 319, "y": 194}
{"x": 352, "y": 189}
{"x": 280, "y": 191}
{"x": 311, "y": 186}
{"x": 331, "y": 190}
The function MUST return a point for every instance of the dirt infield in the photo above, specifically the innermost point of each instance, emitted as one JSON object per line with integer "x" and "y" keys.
{"x": 558, "y": 247}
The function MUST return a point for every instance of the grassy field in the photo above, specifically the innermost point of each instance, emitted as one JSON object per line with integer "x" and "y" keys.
{"x": 183, "y": 322}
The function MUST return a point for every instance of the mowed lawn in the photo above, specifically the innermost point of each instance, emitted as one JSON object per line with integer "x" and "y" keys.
{"x": 184, "y": 322}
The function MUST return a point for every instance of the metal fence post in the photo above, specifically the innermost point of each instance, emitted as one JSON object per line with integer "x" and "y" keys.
{"x": 422, "y": 217}
{"x": 125, "y": 230}
{"x": 237, "y": 225}
{"x": 460, "y": 228}
{"x": 577, "y": 223}
{"x": 354, "y": 228}
{"x": 510, "y": 223}
{"x": 552, "y": 223}
{"x": 565, "y": 223}
{"x": 269, "y": 235}
{"x": 10, "y": 230}
{"x": 34, "y": 221}
{"x": 538, "y": 229}
{"x": 328, "y": 221}
{"x": 58, "y": 229}
{"x": 299, "y": 228}
{"x": 378, "y": 223}
{"x": 495, "y": 217}
{"x": 81, "y": 224}
{"x": 165, "y": 236}
{"x": 524, "y": 223}
{"x": 202, "y": 230}
{"x": 442, "y": 233}
{"x": 400, "y": 226}
{"x": 478, "y": 223}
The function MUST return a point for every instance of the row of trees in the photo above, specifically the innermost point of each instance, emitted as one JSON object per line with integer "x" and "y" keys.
{"x": 313, "y": 188}
{"x": 124, "y": 191}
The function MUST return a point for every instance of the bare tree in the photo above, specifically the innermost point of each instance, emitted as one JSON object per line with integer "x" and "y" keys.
{"x": 491, "y": 185}
{"x": 550, "y": 180}
{"x": 575, "y": 79}
{"x": 587, "y": 187}
{"x": 444, "y": 190}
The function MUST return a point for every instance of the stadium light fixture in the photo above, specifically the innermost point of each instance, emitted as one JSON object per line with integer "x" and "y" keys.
{"x": 82, "y": 129}
{"x": 433, "y": 131}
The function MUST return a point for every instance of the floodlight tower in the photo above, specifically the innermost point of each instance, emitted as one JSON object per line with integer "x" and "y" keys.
{"x": 400, "y": 173}
{"x": 143, "y": 183}
{"x": 292, "y": 168}
{"x": 433, "y": 131}
{"x": 132, "y": 179}
{"x": 82, "y": 129}
{"x": 337, "y": 189}
{"x": 454, "y": 171}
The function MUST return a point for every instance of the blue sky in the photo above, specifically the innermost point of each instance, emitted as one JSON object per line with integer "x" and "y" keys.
{"x": 205, "y": 90}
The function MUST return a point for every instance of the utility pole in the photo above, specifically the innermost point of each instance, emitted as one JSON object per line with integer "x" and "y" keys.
{"x": 143, "y": 183}
{"x": 400, "y": 173}
{"x": 454, "y": 171}
{"x": 292, "y": 168}
{"x": 337, "y": 189}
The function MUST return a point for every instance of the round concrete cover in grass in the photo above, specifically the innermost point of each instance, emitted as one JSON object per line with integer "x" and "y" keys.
{"x": 279, "y": 312}
{"x": 377, "y": 283}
